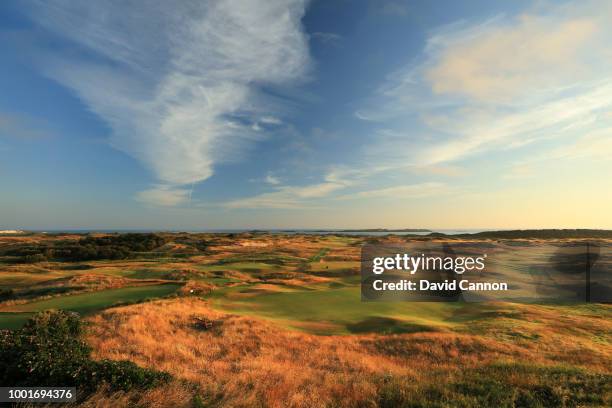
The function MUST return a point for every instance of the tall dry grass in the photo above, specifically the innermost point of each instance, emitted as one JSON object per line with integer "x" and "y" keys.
{"x": 246, "y": 362}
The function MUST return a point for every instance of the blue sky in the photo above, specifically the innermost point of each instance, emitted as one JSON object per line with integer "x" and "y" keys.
{"x": 293, "y": 114}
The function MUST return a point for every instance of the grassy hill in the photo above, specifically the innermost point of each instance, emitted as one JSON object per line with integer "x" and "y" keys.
{"x": 290, "y": 328}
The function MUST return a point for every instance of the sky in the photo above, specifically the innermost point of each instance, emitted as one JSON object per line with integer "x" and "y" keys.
{"x": 239, "y": 114}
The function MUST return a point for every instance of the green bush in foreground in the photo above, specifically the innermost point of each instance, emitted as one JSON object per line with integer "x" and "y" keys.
{"x": 49, "y": 351}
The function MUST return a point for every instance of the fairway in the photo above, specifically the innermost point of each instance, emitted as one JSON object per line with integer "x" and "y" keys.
{"x": 343, "y": 312}
{"x": 84, "y": 303}
{"x": 239, "y": 266}
{"x": 331, "y": 311}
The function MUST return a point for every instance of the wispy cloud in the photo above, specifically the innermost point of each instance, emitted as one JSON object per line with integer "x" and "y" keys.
{"x": 595, "y": 145}
{"x": 418, "y": 190}
{"x": 164, "y": 195}
{"x": 333, "y": 187}
{"x": 270, "y": 120}
{"x": 498, "y": 84}
{"x": 270, "y": 179}
{"x": 293, "y": 197}
{"x": 327, "y": 38}
{"x": 180, "y": 84}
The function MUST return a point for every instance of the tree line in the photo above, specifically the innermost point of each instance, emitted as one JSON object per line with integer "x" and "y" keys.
{"x": 120, "y": 246}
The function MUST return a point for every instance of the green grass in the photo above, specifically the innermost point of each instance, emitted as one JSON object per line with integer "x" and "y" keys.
{"x": 85, "y": 303}
{"x": 337, "y": 309}
{"x": 19, "y": 279}
{"x": 334, "y": 266}
{"x": 317, "y": 257}
{"x": 343, "y": 310}
{"x": 147, "y": 273}
{"x": 272, "y": 258}
{"x": 14, "y": 320}
{"x": 239, "y": 266}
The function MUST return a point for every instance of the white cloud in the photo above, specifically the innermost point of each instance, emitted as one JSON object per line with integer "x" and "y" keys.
{"x": 501, "y": 84}
{"x": 288, "y": 197}
{"x": 504, "y": 59}
{"x": 596, "y": 145}
{"x": 164, "y": 195}
{"x": 270, "y": 120}
{"x": 313, "y": 195}
{"x": 418, "y": 190}
{"x": 270, "y": 179}
{"x": 265, "y": 122}
{"x": 592, "y": 146}
{"x": 180, "y": 83}
{"x": 293, "y": 197}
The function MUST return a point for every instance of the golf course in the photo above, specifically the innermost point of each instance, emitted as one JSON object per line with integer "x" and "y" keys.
{"x": 274, "y": 304}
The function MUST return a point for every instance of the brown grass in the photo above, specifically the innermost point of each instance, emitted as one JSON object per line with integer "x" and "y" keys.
{"x": 243, "y": 362}
{"x": 248, "y": 362}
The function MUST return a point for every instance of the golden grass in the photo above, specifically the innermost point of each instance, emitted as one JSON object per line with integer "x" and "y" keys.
{"x": 244, "y": 361}
{"x": 248, "y": 362}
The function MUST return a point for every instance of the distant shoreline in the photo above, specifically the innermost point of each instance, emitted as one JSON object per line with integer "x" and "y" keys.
{"x": 417, "y": 232}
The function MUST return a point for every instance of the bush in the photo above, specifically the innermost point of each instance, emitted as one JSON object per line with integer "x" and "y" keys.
{"x": 49, "y": 351}
{"x": 6, "y": 294}
{"x": 126, "y": 375}
{"x": 116, "y": 246}
{"x": 34, "y": 258}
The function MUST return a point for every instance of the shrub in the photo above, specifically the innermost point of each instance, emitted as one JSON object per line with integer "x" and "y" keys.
{"x": 126, "y": 375}
{"x": 34, "y": 258}
{"x": 6, "y": 294}
{"x": 49, "y": 351}
{"x": 117, "y": 246}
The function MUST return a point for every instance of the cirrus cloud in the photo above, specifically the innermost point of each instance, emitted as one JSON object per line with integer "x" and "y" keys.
{"x": 181, "y": 85}
{"x": 497, "y": 85}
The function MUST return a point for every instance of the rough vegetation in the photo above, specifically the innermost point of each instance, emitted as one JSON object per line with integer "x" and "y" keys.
{"x": 88, "y": 248}
{"x": 288, "y": 328}
{"x": 250, "y": 362}
{"x": 50, "y": 350}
